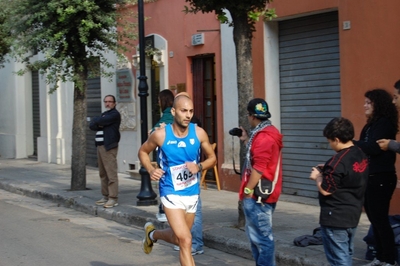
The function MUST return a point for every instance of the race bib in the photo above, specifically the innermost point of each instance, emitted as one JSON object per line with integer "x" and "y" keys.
{"x": 181, "y": 177}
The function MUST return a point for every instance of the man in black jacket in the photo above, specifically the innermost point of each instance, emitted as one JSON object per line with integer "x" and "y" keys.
{"x": 107, "y": 138}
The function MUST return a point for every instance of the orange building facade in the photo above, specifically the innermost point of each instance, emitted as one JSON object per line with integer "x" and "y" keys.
{"x": 369, "y": 42}
{"x": 314, "y": 62}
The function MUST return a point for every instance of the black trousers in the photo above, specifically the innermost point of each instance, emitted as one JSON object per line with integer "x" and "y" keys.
{"x": 379, "y": 192}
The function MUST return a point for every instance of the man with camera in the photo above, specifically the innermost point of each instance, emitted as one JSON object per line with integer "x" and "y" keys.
{"x": 262, "y": 163}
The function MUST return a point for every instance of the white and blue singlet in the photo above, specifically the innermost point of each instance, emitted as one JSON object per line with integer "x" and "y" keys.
{"x": 173, "y": 155}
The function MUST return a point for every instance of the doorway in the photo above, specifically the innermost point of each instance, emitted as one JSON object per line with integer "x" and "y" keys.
{"x": 204, "y": 98}
{"x": 204, "y": 94}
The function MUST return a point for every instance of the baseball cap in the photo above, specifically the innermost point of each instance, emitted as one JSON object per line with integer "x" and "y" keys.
{"x": 259, "y": 108}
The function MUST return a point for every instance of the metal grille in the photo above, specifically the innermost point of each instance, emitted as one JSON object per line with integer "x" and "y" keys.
{"x": 93, "y": 95}
{"x": 310, "y": 95}
{"x": 35, "y": 109}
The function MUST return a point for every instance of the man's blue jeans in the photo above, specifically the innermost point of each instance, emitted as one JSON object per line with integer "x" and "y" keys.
{"x": 197, "y": 229}
{"x": 338, "y": 245}
{"x": 259, "y": 231}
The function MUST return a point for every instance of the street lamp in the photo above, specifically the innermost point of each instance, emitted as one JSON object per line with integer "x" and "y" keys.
{"x": 146, "y": 195}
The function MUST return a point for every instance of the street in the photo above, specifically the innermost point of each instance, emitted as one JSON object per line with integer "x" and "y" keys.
{"x": 37, "y": 232}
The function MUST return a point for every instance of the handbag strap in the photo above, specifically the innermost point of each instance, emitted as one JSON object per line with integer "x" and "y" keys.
{"x": 275, "y": 177}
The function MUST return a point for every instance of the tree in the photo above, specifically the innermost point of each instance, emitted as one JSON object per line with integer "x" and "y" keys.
{"x": 244, "y": 15}
{"x": 73, "y": 36}
{"x": 4, "y": 36}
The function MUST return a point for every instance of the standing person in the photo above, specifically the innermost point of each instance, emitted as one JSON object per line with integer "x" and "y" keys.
{"x": 179, "y": 152}
{"x": 166, "y": 100}
{"x": 197, "y": 229}
{"x": 390, "y": 144}
{"x": 107, "y": 138}
{"x": 262, "y": 157}
{"x": 382, "y": 123}
{"x": 341, "y": 184}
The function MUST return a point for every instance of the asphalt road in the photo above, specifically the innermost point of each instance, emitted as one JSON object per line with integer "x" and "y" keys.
{"x": 37, "y": 232}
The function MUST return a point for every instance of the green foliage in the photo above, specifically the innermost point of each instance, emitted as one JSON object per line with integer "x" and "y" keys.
{"x": 4, "y": 36}
{"x": 68, "y": 33}
{"x": 253, "y": 9}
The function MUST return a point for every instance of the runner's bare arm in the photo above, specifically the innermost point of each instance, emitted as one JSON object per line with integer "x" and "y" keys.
{"x": 207, "y": 149}
{"x": 155, "y": 140}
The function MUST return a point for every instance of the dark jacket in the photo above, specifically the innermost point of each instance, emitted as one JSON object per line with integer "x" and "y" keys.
{"x": 379, "y": 161}
{"x": 166, "y": 118}
{"x": 109, "y": 122}
{"x": 345, "y": 175}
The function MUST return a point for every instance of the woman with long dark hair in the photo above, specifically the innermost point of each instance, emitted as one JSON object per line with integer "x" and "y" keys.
{"x": 166, "y": 100}
{"x": 382, "y": 123}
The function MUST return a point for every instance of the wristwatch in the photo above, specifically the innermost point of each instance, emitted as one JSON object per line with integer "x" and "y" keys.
{"x": 200, "y": 167}
{"x": 248, "y": 191}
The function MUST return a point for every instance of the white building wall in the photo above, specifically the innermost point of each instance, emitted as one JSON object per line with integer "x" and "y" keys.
{"x": 230, "y": 94}
{"x": 16, "y": 132}
{"x": 161, "y": 44}
{"x": 56, "y": 116}
{"x": 271, "y": 62}
{"x": 133, "y": 140}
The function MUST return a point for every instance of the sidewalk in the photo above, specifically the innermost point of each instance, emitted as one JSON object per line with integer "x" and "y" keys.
{"x": 294, "y": 216}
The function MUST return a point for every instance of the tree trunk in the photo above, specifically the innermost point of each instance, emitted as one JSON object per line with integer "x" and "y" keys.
{"x": 242, "y": 36}
{"x": 78, "y": 162}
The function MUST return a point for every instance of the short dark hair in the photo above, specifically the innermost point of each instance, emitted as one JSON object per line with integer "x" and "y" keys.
{"x": 397, "y": 85}
{"x": 166, "y": 99}
{"x": 340, "y": 128}
{"x": 109, "y": 95}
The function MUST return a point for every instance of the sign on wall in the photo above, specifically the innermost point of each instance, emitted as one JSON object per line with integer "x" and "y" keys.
{"x": 198, "y": 39}
{"x": 124, "y": 85}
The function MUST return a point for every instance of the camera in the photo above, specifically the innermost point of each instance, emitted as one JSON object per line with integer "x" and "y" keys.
{"x": 235, "y": 132}
{"x": 319, "y": 168}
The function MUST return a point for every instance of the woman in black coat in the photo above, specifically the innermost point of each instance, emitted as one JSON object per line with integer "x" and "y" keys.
{"x": 382, "y": 123}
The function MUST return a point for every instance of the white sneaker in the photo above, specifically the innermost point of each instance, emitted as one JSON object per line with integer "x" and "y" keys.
{"x": 102, "y": 201}
{"x": 194, "y": 252}
{"x": 161, "y": 217}
{"x": 110, "y": 203}
{"x": 197, "y": 252}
